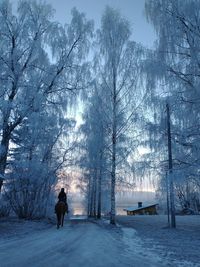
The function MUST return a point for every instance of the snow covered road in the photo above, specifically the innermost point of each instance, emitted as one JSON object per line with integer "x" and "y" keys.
{"x": 77, "y": 244}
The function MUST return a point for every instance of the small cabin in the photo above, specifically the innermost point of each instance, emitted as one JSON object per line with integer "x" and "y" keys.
{"x": 140, "y": 209}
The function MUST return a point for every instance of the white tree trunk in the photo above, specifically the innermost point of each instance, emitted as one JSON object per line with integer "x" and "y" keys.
{"x": 171, "y": 185}
{"x": 113, "y": 172}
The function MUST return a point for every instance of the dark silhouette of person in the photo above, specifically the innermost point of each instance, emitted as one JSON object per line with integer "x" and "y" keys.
{"x": 62, "y": 197}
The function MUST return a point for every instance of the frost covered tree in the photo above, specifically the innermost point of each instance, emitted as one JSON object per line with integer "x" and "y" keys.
{"x": 177, "y": 55}
{"x": 117, "y": 77}
{"x": 35, "y": 163}
{"x": 94, "y": 160}
{"x": 28, "y": 79}
{"x": 36, "y": 85}
{"x": 175, "y": 64}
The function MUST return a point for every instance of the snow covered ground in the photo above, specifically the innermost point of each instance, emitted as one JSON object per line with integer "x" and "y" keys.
{"x": 181, "y": 245}
{"x": 96, "y": 243}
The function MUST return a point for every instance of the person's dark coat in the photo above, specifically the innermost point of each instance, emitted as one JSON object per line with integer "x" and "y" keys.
{"x": 62, "y": 197}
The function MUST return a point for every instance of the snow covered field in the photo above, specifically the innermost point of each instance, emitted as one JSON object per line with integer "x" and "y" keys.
{"x": 181, "y": 245}
{"x": 139, "y": 241}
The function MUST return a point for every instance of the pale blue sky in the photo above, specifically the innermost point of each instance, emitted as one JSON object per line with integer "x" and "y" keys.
{"x": 133, "y": 10}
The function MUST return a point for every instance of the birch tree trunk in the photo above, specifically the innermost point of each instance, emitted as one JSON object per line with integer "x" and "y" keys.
{"x": 171, "y": 184}
{"x": 4, "y": 151}
{"x": 114, "y": 137}
{"x": 99, "y": 194}
{"x": 95, "y": 193}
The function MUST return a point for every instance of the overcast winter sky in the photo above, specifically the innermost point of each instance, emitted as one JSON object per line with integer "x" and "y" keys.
{"x": 133, "y": 10}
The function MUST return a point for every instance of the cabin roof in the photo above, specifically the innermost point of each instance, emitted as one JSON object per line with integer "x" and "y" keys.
{"x": 135, "y": 207}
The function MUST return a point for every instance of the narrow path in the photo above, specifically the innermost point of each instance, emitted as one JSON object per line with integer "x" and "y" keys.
{"x": 77, "y": 244}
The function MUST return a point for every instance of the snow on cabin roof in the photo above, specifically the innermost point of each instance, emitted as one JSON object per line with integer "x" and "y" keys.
{"x": 135, "y": 207}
